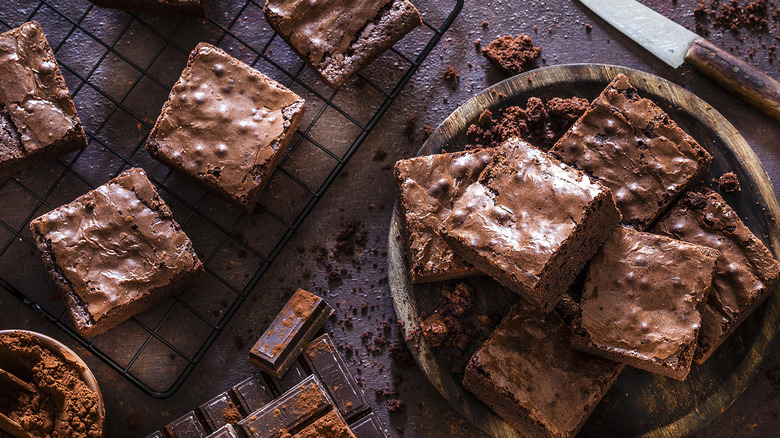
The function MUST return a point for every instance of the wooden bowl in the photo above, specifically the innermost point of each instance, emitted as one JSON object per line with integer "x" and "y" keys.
{"x": 71, "y": 358}
{"x": 640, "y": 403}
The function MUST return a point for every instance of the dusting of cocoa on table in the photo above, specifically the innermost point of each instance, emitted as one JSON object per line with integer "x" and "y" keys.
{"x": 62, "y": 393}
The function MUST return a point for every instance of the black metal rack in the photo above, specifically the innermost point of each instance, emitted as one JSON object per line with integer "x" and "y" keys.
{"x": 120, "y": 67}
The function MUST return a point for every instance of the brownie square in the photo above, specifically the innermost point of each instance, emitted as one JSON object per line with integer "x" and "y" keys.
{"x": 632, "y": 146}
{"x": 337, "y": 38}
{"x": 115, "y": 252}
{"x": 38, "y": 121}
{"x": 528, "y": 373}
{"x": 192, "y": 8}
{"x": 642, "y": 301}
{"x": 427, "y": 188}
{"x": 745, "y": 271}
{"x": 225, "y": 125}
{"x": 531, "y": 222}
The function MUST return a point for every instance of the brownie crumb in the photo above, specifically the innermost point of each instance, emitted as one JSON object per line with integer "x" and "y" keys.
{"x": 450, "y": 75}
{"x": 428, "y": 130}
{"x": 434, "y": 329}
{"x": 485, "y": 24}
{"x": 401, "y": 355}
{"x": 588, "y": 28}
{"x": 728, "y": 182}
{"x": 395, "y": 406}
{"x": 512, "y": 55}
{"x": 379, "y": 154}
{"x": 541, "y": 124}
{"x": 409, "y": 125}
{"x": 694, "y": 201}
{"x": 457, "y": 301}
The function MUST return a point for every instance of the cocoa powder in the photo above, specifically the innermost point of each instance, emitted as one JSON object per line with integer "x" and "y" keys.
{"x": 64, "y": 406}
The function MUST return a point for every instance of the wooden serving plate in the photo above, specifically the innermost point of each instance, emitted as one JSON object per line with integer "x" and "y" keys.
{"x": 640, "y": 403}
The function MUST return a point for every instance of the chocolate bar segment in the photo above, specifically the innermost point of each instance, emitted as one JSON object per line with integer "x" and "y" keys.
{"x": 187, "y": 426}
{"x": 251, "y": 395}
{"x": 219, "y": 411}
{"x": 295, "y": 375}
{"x": 330, "y": 425}
{"x": 368, "y": 427}
{"x": 284, "y": 340}
{"x": 226, "y": 431}
{"x": 157, "y": 434}
{"x": 327, "y": 363}
{"x": 288, "y": 412}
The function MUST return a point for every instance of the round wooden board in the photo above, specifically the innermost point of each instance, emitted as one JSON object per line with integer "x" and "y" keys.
{"x": 640, "y": 403}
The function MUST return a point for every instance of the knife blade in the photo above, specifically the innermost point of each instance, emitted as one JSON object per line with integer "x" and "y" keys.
{"x": 674, "y": 45}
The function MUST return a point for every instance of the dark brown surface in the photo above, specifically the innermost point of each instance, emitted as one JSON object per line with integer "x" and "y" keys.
{"x": 365, "y": 194}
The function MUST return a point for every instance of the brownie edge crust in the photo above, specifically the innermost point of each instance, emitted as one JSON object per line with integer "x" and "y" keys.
{"x": 115, "y": 252}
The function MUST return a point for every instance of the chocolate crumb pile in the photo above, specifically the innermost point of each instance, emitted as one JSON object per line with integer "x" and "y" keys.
{"x": 512, "y": 55}
{"x": 64, "y": 406}
{"x": 539, "y": 123}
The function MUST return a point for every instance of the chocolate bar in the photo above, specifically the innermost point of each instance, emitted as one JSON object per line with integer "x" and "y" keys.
{"x": 284, "y": 340}
{"x": 186, "y": 426}
{"x": 251, "y": 395}
{"x": 219, "y": 411}
{"x": 325, "y": 361}
{"x": 157, "y": 434}
{"x": 288, "y": 412}
{"x": 225, "y": 431}
{"x": 368, "y": 427}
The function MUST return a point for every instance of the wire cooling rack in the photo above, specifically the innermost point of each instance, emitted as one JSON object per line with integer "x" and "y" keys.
{"x": 119, "y": 67}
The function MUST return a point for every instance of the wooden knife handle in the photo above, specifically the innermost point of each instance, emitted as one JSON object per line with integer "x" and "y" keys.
{"x": 736, "y": 75}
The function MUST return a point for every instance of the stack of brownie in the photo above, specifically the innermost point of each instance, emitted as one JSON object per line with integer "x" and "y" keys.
{"x": 305, "y": 390}
{"x": 669, "y": 269}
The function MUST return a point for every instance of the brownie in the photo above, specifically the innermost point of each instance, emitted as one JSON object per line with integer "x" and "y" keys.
{"x": 225, "y": 125}
{"x": 531, "y": 222}
{"x": 528, "y": 374}
{"x": 115, "y": 251}
{"x": 642, "y": 301}
{"x": 512, "y": 55}
{"x": 729, "y": 183}
{"x": 426, "y": 188}
{"x": 745, "y": 271}
{"x": 330, "y": 425}
{"x": 192, "y": 8}
{"x": 336, "y": 37}
{"x": 632, "y": 146}
{"x": 38, "y": 121}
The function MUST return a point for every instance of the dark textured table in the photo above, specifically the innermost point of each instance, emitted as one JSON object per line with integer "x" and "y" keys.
{"x": 364, "y": 194}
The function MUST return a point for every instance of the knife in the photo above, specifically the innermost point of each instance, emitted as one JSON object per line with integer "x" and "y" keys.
{"x": 674, "y": 44}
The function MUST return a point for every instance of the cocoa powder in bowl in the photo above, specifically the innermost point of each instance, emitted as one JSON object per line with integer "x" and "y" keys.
{"x": 64, "y": 406}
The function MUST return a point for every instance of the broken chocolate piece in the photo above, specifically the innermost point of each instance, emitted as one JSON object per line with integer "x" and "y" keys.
{"x": 284, "y": 340}
{"x": 187, "y": 426}
{"x": 251, "y": 394}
